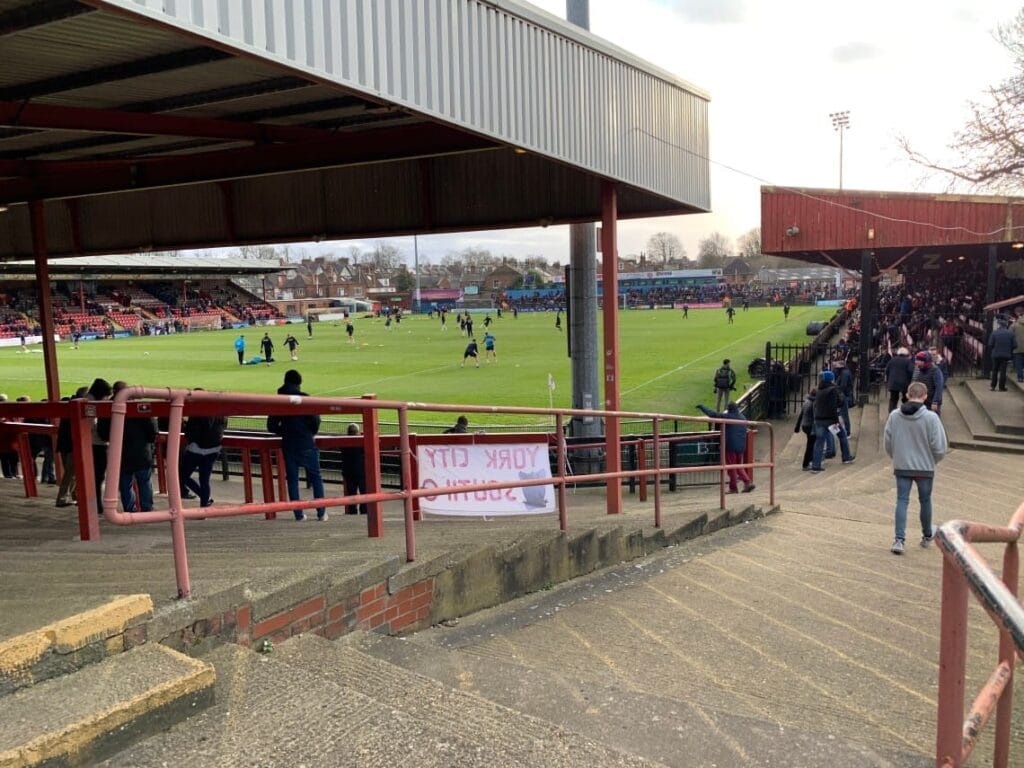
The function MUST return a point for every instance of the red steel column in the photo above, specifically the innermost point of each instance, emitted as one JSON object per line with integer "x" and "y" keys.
{"x": 610, "y": 316}
{"x": 371, "y": 463}
{"x": 952, "y": 667}
{"x": 40, "y": 250}
{"x": 1007, "y": 653}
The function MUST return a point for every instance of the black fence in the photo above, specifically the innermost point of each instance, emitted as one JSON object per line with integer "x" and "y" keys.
{"x": 790, "y": 371}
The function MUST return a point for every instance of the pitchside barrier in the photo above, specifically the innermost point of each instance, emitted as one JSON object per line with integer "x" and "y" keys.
{"x": 425, "y": 460}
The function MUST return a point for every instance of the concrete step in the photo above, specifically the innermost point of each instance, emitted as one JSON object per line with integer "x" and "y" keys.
{"x": 85, "y": 716}
{"x": 1003, "y": 410}
{"x": 969, "y": 427}
{"x": 686, "y": 695}
{"x": 60, "y": 643}
{"x": 307, "y": 703}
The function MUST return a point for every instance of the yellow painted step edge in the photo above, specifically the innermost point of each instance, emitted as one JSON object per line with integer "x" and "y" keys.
{"x": 75, "y": 737}
{"x": 74, "y": 632}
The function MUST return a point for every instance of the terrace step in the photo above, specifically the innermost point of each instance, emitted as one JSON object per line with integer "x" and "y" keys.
{"x": 969, "y": 424}
{"x": 1003, "y": 410}
{"x": 71, "y": 642}
{"x": 86, "y": 716}
{"x": 313, "y": 703}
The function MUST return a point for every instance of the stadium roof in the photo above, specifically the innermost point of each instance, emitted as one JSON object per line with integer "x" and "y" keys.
{"x": 837, "y": 226}
{"x": 145, "y": 267}
{"x": 784, "y": 275}
{"x": 159, "y": 125}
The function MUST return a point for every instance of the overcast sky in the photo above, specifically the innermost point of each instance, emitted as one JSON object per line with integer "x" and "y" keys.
{"x": 775, "y": 70}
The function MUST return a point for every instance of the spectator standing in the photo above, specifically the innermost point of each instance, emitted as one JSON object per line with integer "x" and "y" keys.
{"x": 931, "y": 376}
{"x": 826, "y": 419}
{"x": 298, "y": 446}
{"x": 41, "y": 444}
{"x": 724, "y": 383}
{"x": 899, "y": 372}
{"x": 240, "y": 348}
{"x": 1018, "y": 354}
{"x": 805, "y": 424}
{"x": 100, "y": 389}
{"x": 353, "y": 471}
{"x": 136, "y": 468}
{"x": 916, "y": 441}
{"x": 1002, "y": 344}
{"x": 203, "y": 438}
{"x": 844, "y": 382}
{"x": 8, "y": 450}
{"x": 461, "y": 427}
{"x": 65, "y": 448}
{"x": 735, "y": 444}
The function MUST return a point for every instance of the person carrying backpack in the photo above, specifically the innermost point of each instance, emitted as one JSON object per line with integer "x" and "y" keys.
{"x": 725, "y": 383}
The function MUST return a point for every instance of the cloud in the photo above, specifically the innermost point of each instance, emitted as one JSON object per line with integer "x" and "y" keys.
{"x": 710, "y": 11}
{"x": 853, "y": 52}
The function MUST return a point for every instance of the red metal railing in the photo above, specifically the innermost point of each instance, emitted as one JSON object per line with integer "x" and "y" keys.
{"x": 174, "y": 403}
{"x": 965, "y": 569}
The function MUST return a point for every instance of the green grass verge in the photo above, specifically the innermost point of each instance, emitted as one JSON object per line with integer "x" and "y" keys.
{"x": 667, "y": 363}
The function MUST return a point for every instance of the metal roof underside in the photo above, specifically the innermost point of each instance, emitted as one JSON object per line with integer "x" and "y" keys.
{"x": 166, "y": 124}
{"x": 146, "y": 266}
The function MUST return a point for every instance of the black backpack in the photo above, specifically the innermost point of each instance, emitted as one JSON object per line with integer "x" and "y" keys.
{"x": 723, "y": 378}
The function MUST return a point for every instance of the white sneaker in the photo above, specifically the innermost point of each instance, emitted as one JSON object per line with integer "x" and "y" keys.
{"x": 897, "y": 547}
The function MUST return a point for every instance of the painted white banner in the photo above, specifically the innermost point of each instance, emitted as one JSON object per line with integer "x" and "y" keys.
{"x": 447, "y": 467}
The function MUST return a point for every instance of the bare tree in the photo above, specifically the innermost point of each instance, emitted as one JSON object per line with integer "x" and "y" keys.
{"x": 749, "y": 245}
{"x": 665, "y": 247}
{"x": 714, "y": 250}
{"x": 991, "y": 145}
{"x": 386, "y": 257}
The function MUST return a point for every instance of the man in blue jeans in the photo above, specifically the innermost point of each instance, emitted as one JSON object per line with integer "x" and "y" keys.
{"x": 826, "y": 415}
{"x": 298, "y": 445}
{"x": 916, "y": 441}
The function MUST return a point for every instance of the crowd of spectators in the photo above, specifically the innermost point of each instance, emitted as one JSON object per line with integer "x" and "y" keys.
{"x": 146, "y": 308}
{"x": 940, "y": 308}
{"x": 661, "y": 295}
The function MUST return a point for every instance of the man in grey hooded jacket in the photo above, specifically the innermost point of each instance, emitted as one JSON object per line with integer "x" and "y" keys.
{"x": 916, "y": 441}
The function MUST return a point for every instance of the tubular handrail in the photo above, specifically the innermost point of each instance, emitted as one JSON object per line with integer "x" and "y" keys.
{"x": 964, "y": 569}
{"x": 174, "y": 402}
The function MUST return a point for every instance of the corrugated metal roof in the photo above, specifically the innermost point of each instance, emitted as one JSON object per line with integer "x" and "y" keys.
{"x": 152, "y": 262}
{"x": 473, "y": 79}
{"x": 837, "y": 226}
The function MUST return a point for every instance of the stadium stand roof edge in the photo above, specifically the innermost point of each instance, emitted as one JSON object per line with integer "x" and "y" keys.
{"x": 143, "y": 267}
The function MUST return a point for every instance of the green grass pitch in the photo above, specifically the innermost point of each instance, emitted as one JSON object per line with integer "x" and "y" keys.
{"x": 666, "y": 363}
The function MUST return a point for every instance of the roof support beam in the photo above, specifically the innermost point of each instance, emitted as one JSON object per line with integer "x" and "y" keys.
{"x": 47, "y": 116}
{"x": 164, "y": 62}
{"x": 40, "y": 13}
{"x": 37, "y": 180}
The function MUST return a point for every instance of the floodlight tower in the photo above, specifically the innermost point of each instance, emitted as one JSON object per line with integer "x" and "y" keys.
{"x": 840, "y": 122}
